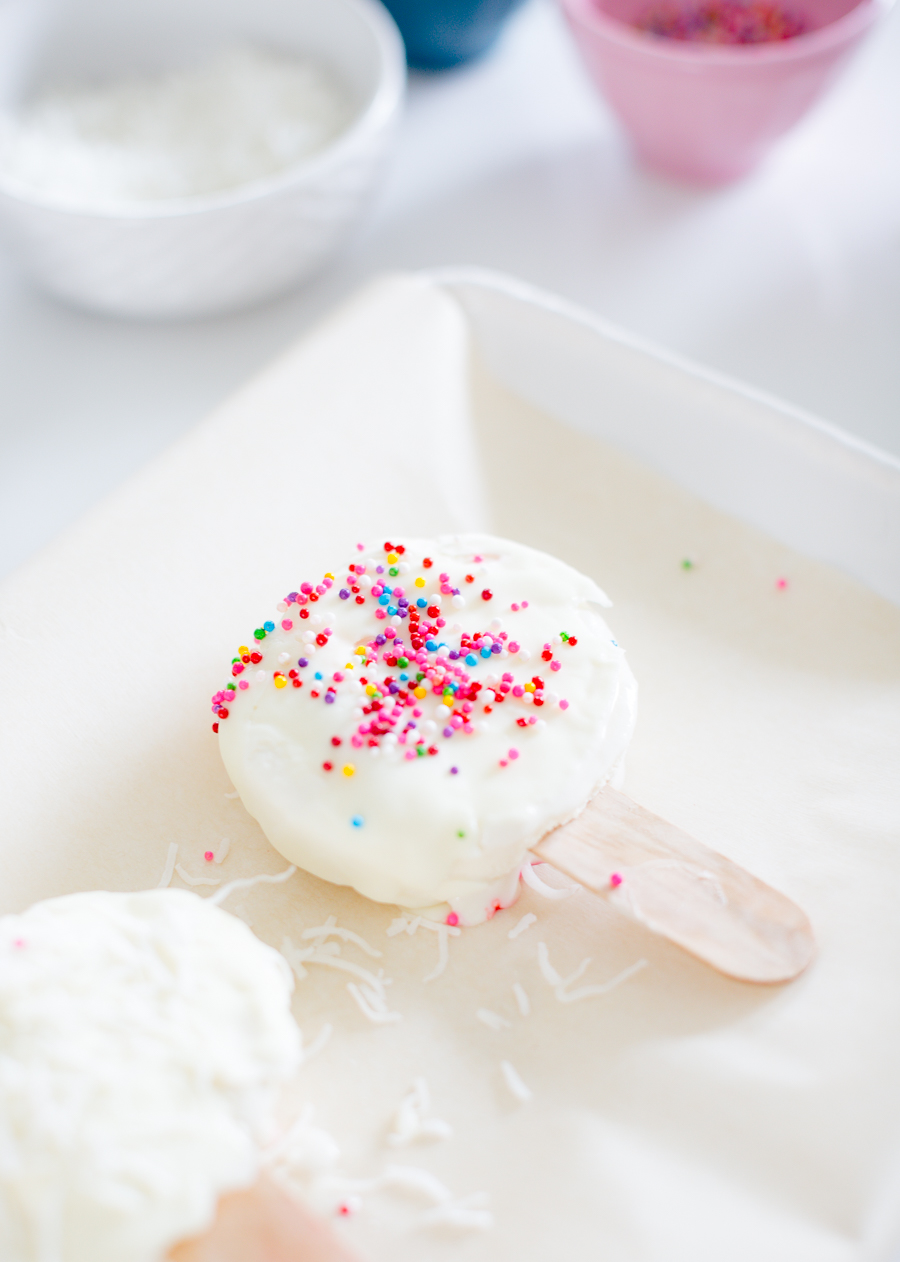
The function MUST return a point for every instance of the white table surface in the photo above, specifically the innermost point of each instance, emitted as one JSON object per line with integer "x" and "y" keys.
{"x": 789, "y": 280}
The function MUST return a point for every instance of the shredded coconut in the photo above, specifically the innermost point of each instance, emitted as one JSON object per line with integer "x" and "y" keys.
{"x": 245, "y": 114}
{"x": 222, "y": 853}
{"x": 561, "y": 984}
{"x": 528, "y": 919}
{"x": 412, "y": 1121}
{"x": 533, "y": 881}
{"x": 318, "y": 1043}
{"x": 331, "y": 929}
{"x": 514, "y": 1082}
{"x": 169, "y": 869}
{"x": 247, "y": 882}
{"x": 410, "y": 925}
{"x": 466, "y": 1214}
{"x": 522, "y": 1000}
{"x": 196, "y": 880}
{"x": 492, "y": 1020}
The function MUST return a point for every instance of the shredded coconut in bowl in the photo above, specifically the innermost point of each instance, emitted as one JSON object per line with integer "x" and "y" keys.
{"x": 144, "y": 1039}
{"x": 245, "y": 114}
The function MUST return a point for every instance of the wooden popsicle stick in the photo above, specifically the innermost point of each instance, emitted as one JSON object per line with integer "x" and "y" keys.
{"x": 264, "y": 1224}
{"x": 682, "y": 890}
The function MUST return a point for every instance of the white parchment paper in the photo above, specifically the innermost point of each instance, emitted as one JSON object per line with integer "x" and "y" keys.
{"x": 681, "y": 1118}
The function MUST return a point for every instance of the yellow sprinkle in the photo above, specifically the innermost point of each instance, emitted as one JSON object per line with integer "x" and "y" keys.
{"x": 420, "y": 582}
{"x": 393, "y": 558}
{"x": 448, "y": 701}
{"x": 243, "y": 649}
{"x": 419, "y": 692}
{"x": 360, "y": 652}
{"x": 280, "y": 681}
{"x": 529, "y": 687}
{"x": 349, "y": 666}
{"x": 331, "y": 576}
{"x": 371, "y": 690}
{"x": 349, "y": 769}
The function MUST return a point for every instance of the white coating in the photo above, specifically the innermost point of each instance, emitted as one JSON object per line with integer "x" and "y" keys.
{"x": 143, "y": 1040}
{"x": 403, "y": 828}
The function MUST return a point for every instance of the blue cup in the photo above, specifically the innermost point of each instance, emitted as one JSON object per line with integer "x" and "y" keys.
{"x": 443, "y": 33}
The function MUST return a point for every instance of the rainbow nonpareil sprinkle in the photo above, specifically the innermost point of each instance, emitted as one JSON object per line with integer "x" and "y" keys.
{"x": 723, "y": 22}
{"x": 408, "y": 655}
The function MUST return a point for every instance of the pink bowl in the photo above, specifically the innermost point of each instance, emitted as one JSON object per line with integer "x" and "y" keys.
{"x": 709, "y": 112}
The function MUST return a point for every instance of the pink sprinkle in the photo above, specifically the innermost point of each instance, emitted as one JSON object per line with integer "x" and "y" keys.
{"x": 390, "y": 632}
{"x": 555, "y": 666}
{"x": 468, "y": 729}
{"x": 381, "y": 614}
{"x": 514, "y": 608}
{"x": 356, "y": 741}
{"x": 209, "y": 856}
{"x": 781, "y": 584}
{"x": 410, "y": 754}
{"x": 564, "y": 705}
{"x": 513, "y": 753}
{"x": 518, "y": 691}
{"x": 615, "y": 880}
{"x": 360, "y": 548}
{"x": 513, "y": 646}
{"x": 452, "y": 918}
{"x": 417, "y": 713}
{"x": 338, "y": 676}
{"x": 286, "y": 624}
{"x": 524, "y": 604}
{"x": 19, "y": 943}
{"x": 243, "y": 684}
{"x": 503, "y": 762}
{"x": 477, "y": 560}
{"x": 531, "y": 719}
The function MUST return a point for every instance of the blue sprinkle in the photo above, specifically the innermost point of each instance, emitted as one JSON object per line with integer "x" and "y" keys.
{"x": 431, "y": 645}
{"x": 392, "y": 609}
{"x": 318, "y": 674}
{"x": 471, "y": 659}
{"x": 485, "y": 652}
{"x": 403, "y": 675}
{"x": 423, "y": 604}
{"x": 344, "y": 594}
{"x": 303, "y": 662}
{"x": 268, "y": 626}
{"x": 384, "y": 600}
{"x": 614, "y": 642}
{"x": 357, "y": 821}
{"x": 329, "y": 698}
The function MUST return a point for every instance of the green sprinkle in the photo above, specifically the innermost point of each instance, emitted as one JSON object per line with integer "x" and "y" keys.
{"x": 259, "y": 634}
{"x": 393, "y": 571}
{"x": 687, "y": 564}
{"x": 235, "y": 659}
{"x": 233, "y": 687}
{"x": 460, "y": 832}
{"x": 402, "y": 661}
{"x": 563, "y": 636}
{"x": 420, "y": 676}
{"x": 420, "y": 750}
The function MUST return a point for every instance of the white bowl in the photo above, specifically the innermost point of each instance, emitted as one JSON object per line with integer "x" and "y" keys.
{"x": 215, "y": 253}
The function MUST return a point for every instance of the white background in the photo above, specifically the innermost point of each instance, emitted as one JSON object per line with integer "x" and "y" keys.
{"x": 789, "y": 280}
